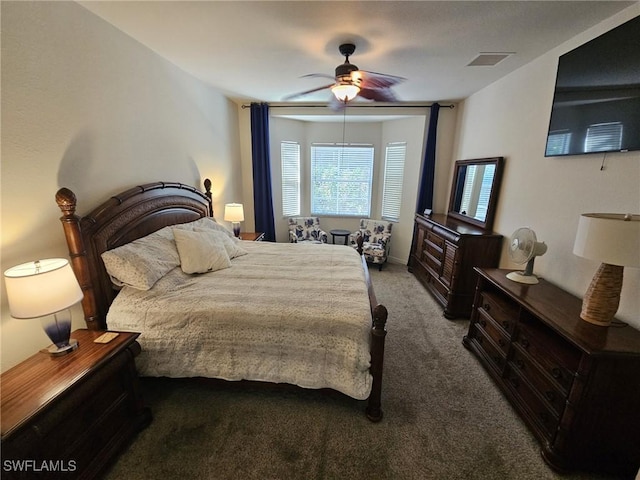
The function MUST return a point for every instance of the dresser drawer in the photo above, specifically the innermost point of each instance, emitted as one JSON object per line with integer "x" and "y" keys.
{"x": 537, "y": 410}
{"x": 546, "y": 387}
{"x": 555, "y": 356}
{"x": 499, "y": 308}
{"x": 492, "y": 330}
{"x": 436, "y": 241}
{"x": 489, "y": 350}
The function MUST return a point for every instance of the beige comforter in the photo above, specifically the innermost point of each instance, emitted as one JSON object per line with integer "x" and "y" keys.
{"x": 283, "y": 313}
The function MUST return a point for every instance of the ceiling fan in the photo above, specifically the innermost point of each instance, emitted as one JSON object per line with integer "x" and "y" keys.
{"x": 351, "y": 82}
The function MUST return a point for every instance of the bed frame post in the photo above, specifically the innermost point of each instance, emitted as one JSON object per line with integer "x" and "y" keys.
{"x": 379, "y": 316}
{"x": 378, "y": 334}
{"x": 207, "y": 192}
{"x": 67, "y": 202}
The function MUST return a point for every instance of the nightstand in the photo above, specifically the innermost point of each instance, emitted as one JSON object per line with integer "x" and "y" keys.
{"x": 252, "y": 236}
{"x": 74, "y": 412}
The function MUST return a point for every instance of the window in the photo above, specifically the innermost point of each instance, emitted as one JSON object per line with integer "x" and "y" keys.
{"x": 290, "y": 157}
{"x": 603, "y": 137}
{"x": 393, "y": 178}
{"x": 558, "y": 143}
{"x": 341, "y": 177}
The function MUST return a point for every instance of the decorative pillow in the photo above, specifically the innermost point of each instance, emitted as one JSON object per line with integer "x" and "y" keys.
{"x": 141, "y": 263}
{"x": 208, "y": 224}
{"x": 200, "y": 252}
{"x": 233, "y": 249}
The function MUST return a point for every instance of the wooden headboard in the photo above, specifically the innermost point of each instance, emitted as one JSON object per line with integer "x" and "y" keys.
{"x": 125, "y": 217}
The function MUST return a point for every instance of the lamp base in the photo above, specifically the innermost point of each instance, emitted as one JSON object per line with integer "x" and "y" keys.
{"x": 236, "y": 229}
{"x": 56, "y": 351}
{"x": 602, "y": 298}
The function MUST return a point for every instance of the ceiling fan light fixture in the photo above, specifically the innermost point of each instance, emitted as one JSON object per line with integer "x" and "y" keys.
{"x": 345, "y": 92}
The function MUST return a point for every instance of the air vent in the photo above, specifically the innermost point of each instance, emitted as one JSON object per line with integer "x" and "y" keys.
{"x": 489, "y": 59}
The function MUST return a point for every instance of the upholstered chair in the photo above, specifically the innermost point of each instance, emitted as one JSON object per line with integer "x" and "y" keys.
{"x": 306, "y": 229}
{"x": 376, "y": 236}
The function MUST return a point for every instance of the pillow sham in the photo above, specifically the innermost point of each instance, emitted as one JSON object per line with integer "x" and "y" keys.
{"x": 233, "y": 249}
{"x": 141, "y": 263}
{"x": 200, "y": 251}
{"x": 206, "y": 223}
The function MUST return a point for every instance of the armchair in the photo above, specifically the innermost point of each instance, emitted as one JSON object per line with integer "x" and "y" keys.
{"x": 376, "y": 236}
{"x": 306, "y": 229}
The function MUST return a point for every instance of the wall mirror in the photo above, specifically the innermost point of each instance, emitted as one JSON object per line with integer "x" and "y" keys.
{"x": 474, "y": 190}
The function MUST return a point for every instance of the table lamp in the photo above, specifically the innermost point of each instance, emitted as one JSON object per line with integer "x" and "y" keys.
{"x": 234, "y": 213}
{"x": 46, "y": 289}
{"x": 614, "y": 240}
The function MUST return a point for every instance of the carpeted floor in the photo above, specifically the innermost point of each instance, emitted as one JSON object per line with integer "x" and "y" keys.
{"x": 444, "y": 418}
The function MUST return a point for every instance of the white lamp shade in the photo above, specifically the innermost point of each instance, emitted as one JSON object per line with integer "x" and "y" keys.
{"x": 234, "y": 212}
{"x": 41, "y": 288}
{"x": 345, "y": 92}
{"x": 610, "y": 238}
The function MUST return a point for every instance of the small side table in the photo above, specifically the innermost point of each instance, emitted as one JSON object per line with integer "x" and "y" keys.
{"x": 252, "y": 236}
{"x": 340, "y": 233}
{"x": 77, "y": 409}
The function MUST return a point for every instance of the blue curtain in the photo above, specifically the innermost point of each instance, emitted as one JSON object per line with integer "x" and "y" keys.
{"x": 425, "y": 192}
{"x": 262, "y": 198}
{"x": 425, "y": 195}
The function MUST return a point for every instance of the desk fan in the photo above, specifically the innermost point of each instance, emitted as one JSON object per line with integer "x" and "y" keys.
{"x": 524, "y": 248}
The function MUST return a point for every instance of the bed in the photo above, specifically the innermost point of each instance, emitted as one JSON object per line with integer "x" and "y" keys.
{"x": 305, "y": 315}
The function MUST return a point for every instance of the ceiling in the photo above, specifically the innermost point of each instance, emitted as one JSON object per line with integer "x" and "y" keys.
{"x": 257, "y": 51}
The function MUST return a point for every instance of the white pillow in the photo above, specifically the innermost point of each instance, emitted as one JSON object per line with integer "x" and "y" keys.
{"x": 233, "y": 249}
{"x": 207, "y": 223}
{"x": 200, "y": 252}
{"x": 141, "y": 263}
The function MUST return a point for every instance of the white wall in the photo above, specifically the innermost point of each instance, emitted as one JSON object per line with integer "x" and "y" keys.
{"x": 86, "y": 107}
{"x": 510, "y": 118}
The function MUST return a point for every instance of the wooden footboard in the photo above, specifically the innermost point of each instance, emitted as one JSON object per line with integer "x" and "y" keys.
{"x": 378, "y": 333}
{"x": 142, "y": 210}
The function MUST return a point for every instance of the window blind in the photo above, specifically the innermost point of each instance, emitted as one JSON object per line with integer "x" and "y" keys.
{"x": 602, "y": 137}
{"x": 290, "y": 158}
{"x": 393, "y": 180}
{"x": 341, "y": 178}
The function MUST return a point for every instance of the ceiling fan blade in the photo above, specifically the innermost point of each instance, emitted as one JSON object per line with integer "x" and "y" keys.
{"x": 372, "y": 80}
{"x": 306, "y": 92}
{"x": 318, "y": 75}
{"x": 378, "y": 94}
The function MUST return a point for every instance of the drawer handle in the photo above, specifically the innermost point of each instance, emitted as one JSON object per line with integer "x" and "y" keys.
{"x": 487, "y": 307}
{"x": 496, "y": 359}
{"x": 483, "y": 323}
{"x": 501, "y": 342}
{"x": 480, "y": 339}
{"x": 524, "y": 342}
{"x": 556, "y": 373}
{"x": 505, "y": 324}
{"x": 520, "y": 364}
{"x": 551, "y": 396}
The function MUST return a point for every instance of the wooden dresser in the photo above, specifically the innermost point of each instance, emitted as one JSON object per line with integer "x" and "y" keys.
{"x": 67, "y": 416}
{"x": 576, "y": 385}
{"x": 444, "y": 253}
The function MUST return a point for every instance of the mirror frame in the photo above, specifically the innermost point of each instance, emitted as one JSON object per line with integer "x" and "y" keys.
{"x": 487, "y": 224}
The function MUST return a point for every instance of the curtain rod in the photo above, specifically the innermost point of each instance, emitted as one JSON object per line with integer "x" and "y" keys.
{"x": 354, "y": 106}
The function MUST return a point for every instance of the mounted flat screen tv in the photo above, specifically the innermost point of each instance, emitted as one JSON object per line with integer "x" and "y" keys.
{"x": 596, "y": 103}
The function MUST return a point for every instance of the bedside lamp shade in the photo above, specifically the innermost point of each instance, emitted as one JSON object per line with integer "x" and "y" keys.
{"x": 43, "y": 288}
{"x": 234, "y": 213}
{"x": 614, "y": 240}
